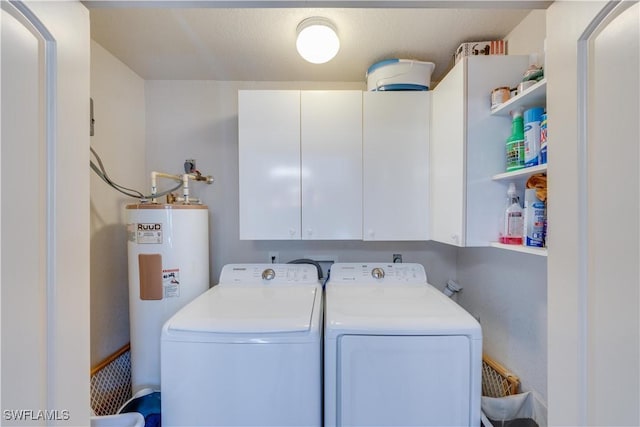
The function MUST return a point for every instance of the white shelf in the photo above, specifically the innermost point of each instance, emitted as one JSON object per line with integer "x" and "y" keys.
{"x": 520, "y": 248}
{"x": 535, "y": 96}
{"x": 520, "y": 173}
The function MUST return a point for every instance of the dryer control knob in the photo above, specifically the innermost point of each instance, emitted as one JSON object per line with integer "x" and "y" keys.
{"x": 268, "y": 274}
{"x": 377, "y": 273}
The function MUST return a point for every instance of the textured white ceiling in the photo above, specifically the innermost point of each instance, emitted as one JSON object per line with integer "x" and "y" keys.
{"x": 252, "y": 44}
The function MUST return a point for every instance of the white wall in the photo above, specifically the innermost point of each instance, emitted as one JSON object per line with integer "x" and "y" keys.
{"x": 118, "y": 96}
{"x": 528, "y": 38}
{"x": 198, "y": 119}
{"x": 566, "y": 22}
{"x": 508, "y": 291}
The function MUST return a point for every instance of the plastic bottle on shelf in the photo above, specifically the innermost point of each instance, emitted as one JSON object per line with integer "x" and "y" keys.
{"x": 535, "y": 218}
{"x": 543, "y": 139}
{"x": 515, "y": 143}
{"x": 513, "y": 225}
{"x": 532, "y": 120}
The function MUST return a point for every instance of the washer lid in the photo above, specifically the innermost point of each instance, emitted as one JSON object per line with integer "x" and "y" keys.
{"x": 248, "y": 309}
{"x": 407, "y": 309}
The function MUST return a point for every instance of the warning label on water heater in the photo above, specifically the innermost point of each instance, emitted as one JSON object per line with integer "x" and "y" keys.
{"x": 171, "y": 282}
{"x": 149, "y": 233}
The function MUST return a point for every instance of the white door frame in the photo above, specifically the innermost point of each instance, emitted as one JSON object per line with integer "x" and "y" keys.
{"x": 588, "y": 286}
{"x": 47, "y": 43}
{"x": 60, "y": 391}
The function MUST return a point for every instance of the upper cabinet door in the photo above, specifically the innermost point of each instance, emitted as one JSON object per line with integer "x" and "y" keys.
{"x": 468, "y": 148}
{"x": 486, "y": 136}
{"x": 269, "y": 164}
{"x": 331, "y": 129}
{"x": 396, "y": 165}
{"x": 447, "y": 169}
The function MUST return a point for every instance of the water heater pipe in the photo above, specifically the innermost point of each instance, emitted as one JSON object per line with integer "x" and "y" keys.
{"x": 185, "y": 187}
{"x": 184, "y": 178}
{"x": 154, "y": 185}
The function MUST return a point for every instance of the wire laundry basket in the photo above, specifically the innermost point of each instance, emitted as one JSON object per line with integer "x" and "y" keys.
{"x": 497, "y": 381}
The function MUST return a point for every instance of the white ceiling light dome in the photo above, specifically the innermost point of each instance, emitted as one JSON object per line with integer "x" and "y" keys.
{"x": 317, "y": 40}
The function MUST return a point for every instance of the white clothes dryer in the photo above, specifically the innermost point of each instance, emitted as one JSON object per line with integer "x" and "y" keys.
{"x": 398, "y": 352}
{"x": 248, "y": 352}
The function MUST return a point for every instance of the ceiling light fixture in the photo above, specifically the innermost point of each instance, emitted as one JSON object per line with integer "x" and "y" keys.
{"x": 317, "y": 40}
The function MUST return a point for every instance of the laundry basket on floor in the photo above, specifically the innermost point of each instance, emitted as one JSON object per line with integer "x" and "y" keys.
{"x": 502, "y": 404}
{"x": 497, "y": 381}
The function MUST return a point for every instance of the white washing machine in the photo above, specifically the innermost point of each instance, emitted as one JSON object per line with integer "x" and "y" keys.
{"x": 248, "y": 352}
{"x": 398, "y": 352}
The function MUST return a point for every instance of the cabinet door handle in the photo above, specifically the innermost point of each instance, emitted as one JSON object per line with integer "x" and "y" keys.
{"x": 292, "y": 232}
{"x": 309, "y": 232}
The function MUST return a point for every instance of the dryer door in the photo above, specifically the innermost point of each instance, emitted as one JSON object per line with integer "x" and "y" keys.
{"x": 403, "y": 380}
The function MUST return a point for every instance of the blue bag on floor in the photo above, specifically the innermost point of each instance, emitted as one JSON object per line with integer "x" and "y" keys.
{"x": 147, "y": 403}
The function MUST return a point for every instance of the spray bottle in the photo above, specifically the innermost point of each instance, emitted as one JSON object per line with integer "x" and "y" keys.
{"x": 515, "y": 143}
{"x": 513, "y": 219}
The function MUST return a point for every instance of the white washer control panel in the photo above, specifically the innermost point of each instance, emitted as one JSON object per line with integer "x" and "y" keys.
{"x": 268, "y": 274}
{"x": 378, "y": 273}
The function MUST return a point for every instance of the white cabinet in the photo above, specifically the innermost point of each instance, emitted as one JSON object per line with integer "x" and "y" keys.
{"x": 269, "y": 164}
{"x": 300, "y": 164}
{"x": 396, "y": 165}
{"x": 468, "y": 148}
{"x": 331, "y": 165}
{"x": 447, "y": 168}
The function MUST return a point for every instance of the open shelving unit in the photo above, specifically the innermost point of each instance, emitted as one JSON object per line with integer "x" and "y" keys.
{"x": 520, "y": 248}
{"x": 534, "y": 96}
{"x": 520, "y": 173}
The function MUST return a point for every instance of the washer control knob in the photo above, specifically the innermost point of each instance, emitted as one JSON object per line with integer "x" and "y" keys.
{"x": 268, "y": 274}
{"x": 377, "y": 273}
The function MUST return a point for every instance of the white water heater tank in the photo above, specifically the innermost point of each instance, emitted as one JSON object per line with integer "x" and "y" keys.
{"x": 168, "y": 250}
